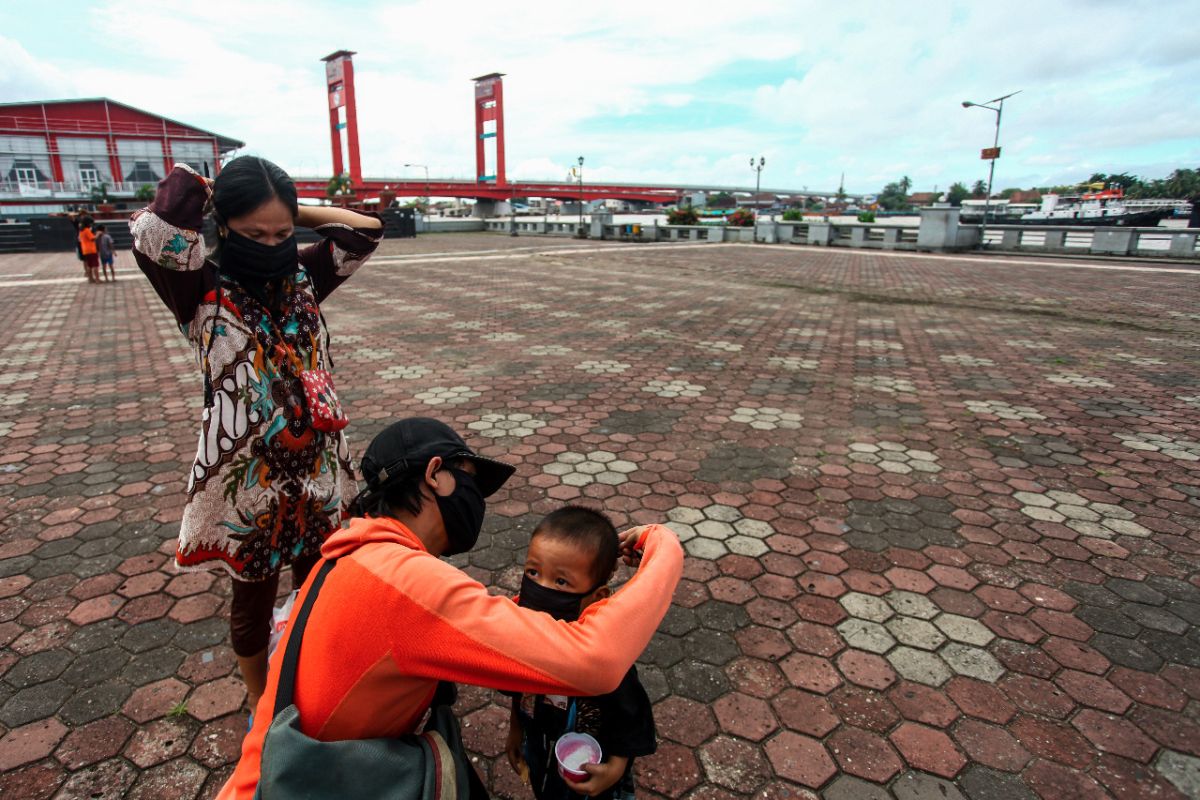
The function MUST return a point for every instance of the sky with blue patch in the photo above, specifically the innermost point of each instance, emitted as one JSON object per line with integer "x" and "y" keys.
{"x": 656, "y": 93}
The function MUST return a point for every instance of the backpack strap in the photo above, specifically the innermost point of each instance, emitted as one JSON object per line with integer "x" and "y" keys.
{"x": 445, "y": 695}
{"x": 286, "y": 690}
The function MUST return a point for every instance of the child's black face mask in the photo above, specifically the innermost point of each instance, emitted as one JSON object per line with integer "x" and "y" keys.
{"x": 565, "y": 606}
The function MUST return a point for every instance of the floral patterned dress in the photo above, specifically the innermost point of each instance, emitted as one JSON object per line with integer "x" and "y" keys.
{"x": 265, "y": 487}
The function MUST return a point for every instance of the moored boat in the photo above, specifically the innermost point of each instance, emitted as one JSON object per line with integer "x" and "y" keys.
{"x": 1103, "y": 208}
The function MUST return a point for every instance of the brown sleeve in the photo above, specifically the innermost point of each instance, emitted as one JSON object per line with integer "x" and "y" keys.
{"x": 339, "y": 254}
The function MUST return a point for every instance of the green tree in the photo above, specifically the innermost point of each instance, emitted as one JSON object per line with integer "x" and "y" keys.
{"x": 721, "y": 200}
{"x": 1182, "y": 183}
{"x": 338, "y": 185}
{"x": 979, "y": 189}
{"x": 145, "y": 193}
{"x": 958, "y": 192}
{"x": 894, "y": 196}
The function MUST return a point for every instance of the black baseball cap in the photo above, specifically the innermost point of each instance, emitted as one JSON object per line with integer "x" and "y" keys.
{"x": 410, "y": 443}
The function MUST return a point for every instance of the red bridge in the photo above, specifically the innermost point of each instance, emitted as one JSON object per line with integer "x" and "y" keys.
{"x": 492, "y": 183}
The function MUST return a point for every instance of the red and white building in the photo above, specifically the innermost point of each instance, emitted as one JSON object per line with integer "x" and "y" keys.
{"x": 53, "y": 154}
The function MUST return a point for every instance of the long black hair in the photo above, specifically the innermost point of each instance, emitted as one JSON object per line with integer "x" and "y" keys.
{"x": 245, "y": 184}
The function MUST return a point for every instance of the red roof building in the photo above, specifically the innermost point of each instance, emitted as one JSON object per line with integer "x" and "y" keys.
{"x": 55, "y": 153}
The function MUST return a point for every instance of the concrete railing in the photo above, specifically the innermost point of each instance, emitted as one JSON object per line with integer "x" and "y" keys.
{"x": 1170, "y": 242}
{"x": 938, "y": 231}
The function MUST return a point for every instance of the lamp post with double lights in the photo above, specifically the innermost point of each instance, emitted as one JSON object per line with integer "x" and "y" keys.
{"x": 581, "y": 195}
{"x": 992, "y": 154}
{"x": 762, "y": 162}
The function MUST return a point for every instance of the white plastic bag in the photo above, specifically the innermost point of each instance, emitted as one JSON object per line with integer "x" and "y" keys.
{"x": 279, "y": 619}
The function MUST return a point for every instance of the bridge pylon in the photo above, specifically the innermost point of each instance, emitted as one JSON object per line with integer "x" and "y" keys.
{"x": 339, "y": 83}
{"x": 489, "y": 108}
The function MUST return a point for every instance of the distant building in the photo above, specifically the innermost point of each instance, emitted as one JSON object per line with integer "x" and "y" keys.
{"x": 1025, "y": 196}
{"x": 923, "y": 198}
{"x": 55, "y": 153}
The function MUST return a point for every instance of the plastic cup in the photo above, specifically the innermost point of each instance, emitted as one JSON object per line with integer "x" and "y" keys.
{"x": 572, "y": 751}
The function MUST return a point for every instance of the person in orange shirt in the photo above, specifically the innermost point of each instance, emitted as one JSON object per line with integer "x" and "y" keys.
{"x": 87, "y": 246}
{"x": 392, "y": 619}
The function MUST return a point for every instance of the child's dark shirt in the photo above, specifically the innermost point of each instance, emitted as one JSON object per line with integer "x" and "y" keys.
{"x": 622, "y": 721}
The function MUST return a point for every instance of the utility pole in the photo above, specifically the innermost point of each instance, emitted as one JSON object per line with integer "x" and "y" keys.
{"x": 581, "y": 195}
{"x": 991, "y": 155}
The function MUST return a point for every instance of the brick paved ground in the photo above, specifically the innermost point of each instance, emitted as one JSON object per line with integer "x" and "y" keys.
{"x": 941, "y": 514}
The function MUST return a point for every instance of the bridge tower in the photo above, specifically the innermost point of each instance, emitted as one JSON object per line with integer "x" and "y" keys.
{"x": 339, "y": 80}
{"x": 489, "y": 108}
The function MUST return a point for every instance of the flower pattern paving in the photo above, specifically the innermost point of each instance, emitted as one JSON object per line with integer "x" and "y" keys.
{"x": 941, "y": 542}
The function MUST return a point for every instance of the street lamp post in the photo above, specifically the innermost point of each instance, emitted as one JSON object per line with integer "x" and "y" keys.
{"x": 987, "y": 203}
{"x": 512, "y": 218}
{"x": 762, "y": 162}
{"x": 422, "y": 166}
{"x": 581, "y": 195}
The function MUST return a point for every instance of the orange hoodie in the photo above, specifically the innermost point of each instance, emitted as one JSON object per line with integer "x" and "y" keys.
{"x": 392, "y": 620}
{"x": 87, "y": 241}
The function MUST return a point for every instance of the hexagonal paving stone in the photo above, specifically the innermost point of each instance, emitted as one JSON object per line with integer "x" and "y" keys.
{"x": 496, "y": 426}
{"x": 911, "y": 605}
{"x": 919, "y": 666}
{"x": 766, "y": 418}
{"x": 972, "y": 662}
{"x": 866, "y": 635}
{"x": 865, "y": 606}
{"x": 964, "y": 629}
{"x": 446, "y": 395}
{"x": 915, "y": 633}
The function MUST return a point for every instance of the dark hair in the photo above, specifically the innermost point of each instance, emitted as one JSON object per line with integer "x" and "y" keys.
{"x": 246, "y": 183}
{"x": 101, "y": 228}
{"x": 401, "y": 493}
{"x": 86, "y": 222}
{"x": 585, "y": 528}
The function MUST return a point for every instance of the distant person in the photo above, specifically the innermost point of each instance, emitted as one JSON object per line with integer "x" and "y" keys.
{"x": 74, "y": 216}
{"x": 392, "y": 619}
{"x": 87, "y": 248}
{"x": 272, "y": 473}
{"x": 1194, "y": 218}
{"x": 572, "y": 556}
{"x": 105, "y": 246}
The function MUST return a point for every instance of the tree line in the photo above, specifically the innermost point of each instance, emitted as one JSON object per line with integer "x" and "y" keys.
{"x": 1181, "y": 184}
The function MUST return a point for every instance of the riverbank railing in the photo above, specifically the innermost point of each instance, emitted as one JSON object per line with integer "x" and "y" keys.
{"x": 1158, "y": 242}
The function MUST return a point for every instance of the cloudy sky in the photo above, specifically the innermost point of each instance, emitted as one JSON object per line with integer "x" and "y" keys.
{"x": 655, "y": 92}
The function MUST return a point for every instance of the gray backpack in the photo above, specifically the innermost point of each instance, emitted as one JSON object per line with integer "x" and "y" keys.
{"x": 430, "y": 765}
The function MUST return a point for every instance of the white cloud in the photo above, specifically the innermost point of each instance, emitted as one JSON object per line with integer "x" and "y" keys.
{"x": 872, "y": 90}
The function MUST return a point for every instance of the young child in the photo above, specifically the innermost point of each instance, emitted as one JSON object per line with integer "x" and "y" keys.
{"x": 572, "y": 555}
{"x": 104, "y": 243}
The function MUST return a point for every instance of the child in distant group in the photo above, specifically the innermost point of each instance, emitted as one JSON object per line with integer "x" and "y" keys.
{"x": 572, "y": 556}
{"x": 87, "y": 247}
{"x": 104, "y": 243}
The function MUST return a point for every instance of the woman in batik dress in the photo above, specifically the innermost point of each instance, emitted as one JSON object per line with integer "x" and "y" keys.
{"x": 266, "y": 487}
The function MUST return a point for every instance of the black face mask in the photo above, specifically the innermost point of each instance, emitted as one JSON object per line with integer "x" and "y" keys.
{"x": 253, "y": 264}
{"x": 462, "y": 512}
{"x": 555, "y": 602}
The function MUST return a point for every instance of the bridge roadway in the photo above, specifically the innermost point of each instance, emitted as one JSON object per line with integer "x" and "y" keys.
{"x": 440, "y": 187}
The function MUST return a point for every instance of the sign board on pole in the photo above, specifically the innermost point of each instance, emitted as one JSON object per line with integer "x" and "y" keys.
{"x": 335, "y": 70}
{"x": 989, "y": 153}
